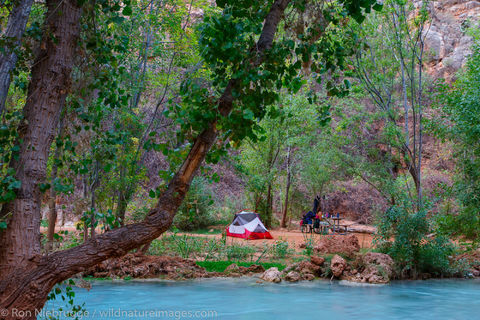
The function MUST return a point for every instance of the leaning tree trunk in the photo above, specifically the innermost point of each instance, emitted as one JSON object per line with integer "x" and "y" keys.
{"x": 48, "y": 88}
{"x": 17, "y": 21}
{"x": 27, "y": 288}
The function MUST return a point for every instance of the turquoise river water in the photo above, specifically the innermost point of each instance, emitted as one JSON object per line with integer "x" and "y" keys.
{"x": 245, "y": 299}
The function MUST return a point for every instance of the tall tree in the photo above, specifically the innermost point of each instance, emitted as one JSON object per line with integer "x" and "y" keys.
{"x": 11, "y": 40}
{"x": 390, "y": 59}
{"x": 26, "y": 276}
{"x": 47, "y": 92}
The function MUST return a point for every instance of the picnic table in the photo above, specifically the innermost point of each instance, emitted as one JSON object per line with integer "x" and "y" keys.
{"x": 336, "y": 226}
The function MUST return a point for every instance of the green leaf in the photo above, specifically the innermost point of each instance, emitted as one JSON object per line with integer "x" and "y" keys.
{"x": 44, "y": 186}
{"x": 127, "y": 11}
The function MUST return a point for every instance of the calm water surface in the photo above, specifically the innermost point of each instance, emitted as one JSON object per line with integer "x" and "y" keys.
{"x": 245, "y": 299}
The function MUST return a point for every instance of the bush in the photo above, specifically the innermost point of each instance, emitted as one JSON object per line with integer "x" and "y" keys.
{"x": 185, "y": 246}
{"x": 239, "y": 252}
{"x": 196, "y": 210}
{"x": 411, "y": 249}
{"x": 281, "y": 249}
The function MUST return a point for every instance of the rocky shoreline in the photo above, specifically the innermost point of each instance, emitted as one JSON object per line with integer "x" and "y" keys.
{"x": 333, "y": 258}
{"x": 378, "y": 269}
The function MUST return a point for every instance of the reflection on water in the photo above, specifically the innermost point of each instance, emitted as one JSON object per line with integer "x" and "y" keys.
{"x": 246, "y": 299}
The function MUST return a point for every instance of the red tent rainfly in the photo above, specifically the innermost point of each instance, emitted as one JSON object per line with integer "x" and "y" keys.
{"x": 247, "y": 225}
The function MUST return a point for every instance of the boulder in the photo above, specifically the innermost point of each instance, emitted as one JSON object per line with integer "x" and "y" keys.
{"x": 338, "y": 265}
{"x": 291, "y": 267}
{"x": 308, "y": 276}
{"x": 256, "y": 268}
{"x": 272, "y": 275}
{"x": 378, "y": 268}
{"x": 292, "y": 276}
{"x": 308, "y": 267}
{"x": 347, "y": 244}
{"x": 319, "y": 261}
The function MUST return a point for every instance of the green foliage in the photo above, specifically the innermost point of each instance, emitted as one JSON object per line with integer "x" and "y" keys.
{"x": 196, "y": 211}
{"x": 404, "y": 235}
{"x": 65, "y": 292}
{"x": 185, "y": 245}
{"x": 105, "y": 220}
{"x": 281, "y": 249}
{"x": 220, "y": 266}
{"x": 216, "y": 249}
{"x": 239, "y": 252}
{"x": 460, "y": 123}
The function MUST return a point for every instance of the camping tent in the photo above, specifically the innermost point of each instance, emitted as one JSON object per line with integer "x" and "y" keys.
{"x": 247, "y": 225}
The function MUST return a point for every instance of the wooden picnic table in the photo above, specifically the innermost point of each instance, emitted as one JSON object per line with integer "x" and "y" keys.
{"x": 336, "y": 224}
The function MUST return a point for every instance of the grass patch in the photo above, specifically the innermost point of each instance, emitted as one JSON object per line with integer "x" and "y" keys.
{"x": 206, "y": 231}
{"x": 220, "y": 266}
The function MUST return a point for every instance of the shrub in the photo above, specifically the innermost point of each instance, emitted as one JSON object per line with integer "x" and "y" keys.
{"x": 411, "y": 248}
{"x": 185, "y": 246}
{"x": 239, "y": 252}
{"x": 196, "y": 210}
{"x": 280, "y": 249}
{"x": 157, "y": 247}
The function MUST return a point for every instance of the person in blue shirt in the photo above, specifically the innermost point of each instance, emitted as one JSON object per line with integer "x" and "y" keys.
{"x": 308, "y": 217}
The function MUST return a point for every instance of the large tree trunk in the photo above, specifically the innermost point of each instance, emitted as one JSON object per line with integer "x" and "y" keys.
{"x": 15, "y": 27}
{"x": 48, "y": 88}
{"x": 27, "y": 287}
{"x": 52, "y": 210}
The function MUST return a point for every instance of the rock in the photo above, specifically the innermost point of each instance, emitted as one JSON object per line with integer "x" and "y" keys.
{"x": 475, "y": 272}
{"x": 291, "y": 267}
{"x": 338, "y": 265}
{"x": 378, "y": 268}
{"x": 308, "y": 267}
{"x": 292, "y": 276}
{"x": 137, "y": 266}
{"x": 380, "y": 259}
{"x": 272, "y": 275}
{"x": 83, "y": 284}
{"x": 319, "y": 261}
{"x": 232, "y": 268}
{"x": 308, "y": 276}
{"x": 347, "y": 244}
{"x": 256, "y": 268}
{"x": 425, "y": 276}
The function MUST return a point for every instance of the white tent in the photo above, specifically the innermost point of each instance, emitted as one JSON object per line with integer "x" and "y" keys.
{"x": 247, "y": 225}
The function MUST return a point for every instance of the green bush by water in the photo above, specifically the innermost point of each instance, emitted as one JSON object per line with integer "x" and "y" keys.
{"x": 413, "y": 251}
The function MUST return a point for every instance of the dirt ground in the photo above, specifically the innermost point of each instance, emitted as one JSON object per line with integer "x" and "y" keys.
{"x": 294, "y": 237}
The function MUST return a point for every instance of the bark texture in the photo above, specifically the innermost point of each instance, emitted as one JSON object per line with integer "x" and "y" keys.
{"x": 17, "y": 22}
{"x": 27, "y": 290}
{"x": 20, "y": 242}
